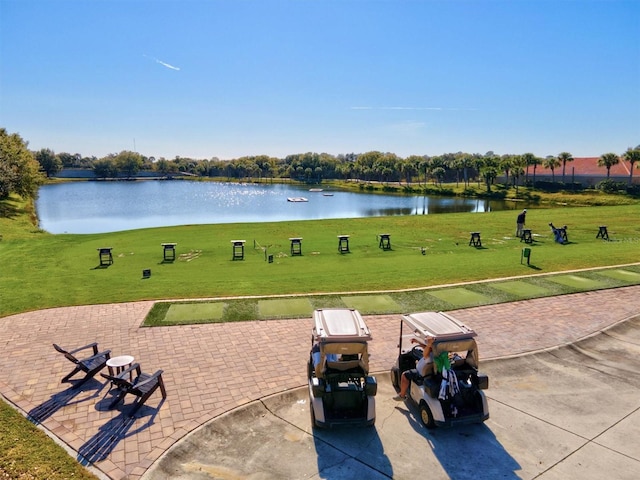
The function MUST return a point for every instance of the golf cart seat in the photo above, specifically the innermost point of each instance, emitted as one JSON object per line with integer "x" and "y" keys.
{"x": 432, "y": 385}
{"x": 346, "y": 366}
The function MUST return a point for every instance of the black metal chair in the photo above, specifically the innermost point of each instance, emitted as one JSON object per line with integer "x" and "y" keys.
{"x": 142, "y": 386}
{"x": 89, "y": 365}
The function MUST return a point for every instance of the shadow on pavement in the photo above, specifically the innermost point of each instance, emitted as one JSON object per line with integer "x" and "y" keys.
{"x": 468, "y": 452}
{"x": 64, "y": 398}
{"x": 345, "y": 452}
{"x": 99, "y": 446}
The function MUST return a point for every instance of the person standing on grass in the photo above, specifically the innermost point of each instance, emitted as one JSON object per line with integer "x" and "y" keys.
{"x": 520, "y": 223}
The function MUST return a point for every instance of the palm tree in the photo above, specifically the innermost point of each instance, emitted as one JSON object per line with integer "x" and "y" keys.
{"x": 529, "y": 159}
{"x": 564, "y": 157}
{"x": 608, "y": 160}
{"x": 632, "y": 155}
{"x": 517, "y": 170}
{"x": 535, "y": 161}
{"x": 489, "y": 170}
{"x": 466, "y": 162}
{"x": 408, "y": 167}
{"x": 505, "y": 165}
{"x": 438, "y": 174}
{"x": 456, "y": 164}
{"x": 551, "y": 163}
{"x": 425, "y": 166}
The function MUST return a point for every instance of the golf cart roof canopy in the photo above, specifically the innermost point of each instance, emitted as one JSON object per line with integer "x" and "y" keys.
{"x": 339, "y": 325}
{"x": 441, "y": 326}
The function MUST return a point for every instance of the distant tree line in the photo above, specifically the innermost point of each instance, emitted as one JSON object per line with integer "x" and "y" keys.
{"x": 22, "y": 171}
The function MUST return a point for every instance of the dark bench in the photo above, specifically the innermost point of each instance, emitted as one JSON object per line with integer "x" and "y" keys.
{"x": 169, "y": 251}
{"x": 526, "y": 236}
{"x": 385, "y": 241}
{"x": 296, "y": 246}
{"x": 602, "y": 232}
{"x": 104, "y": 254}
{"x": 343, "y": 243}
{"x": 475, "y": 239}
{"x": 238, "y": 249}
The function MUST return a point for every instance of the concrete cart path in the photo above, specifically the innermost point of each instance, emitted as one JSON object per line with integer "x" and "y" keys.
{"x": 212, "y": 369}
{"x": 567, "y": 412}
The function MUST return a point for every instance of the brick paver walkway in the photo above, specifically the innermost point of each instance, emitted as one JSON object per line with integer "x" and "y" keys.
{"x": 211, "y": 369}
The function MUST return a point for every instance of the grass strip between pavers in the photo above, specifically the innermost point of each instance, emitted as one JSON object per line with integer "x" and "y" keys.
{"x": 233, "y": 310}
{"x": 521, "y": 288}
{"x": 194, "y": 312}
{"x": 371, "y": 303}
{"x": 461, "y": 297}
{"x": 292, "y": 307}
{"x": 576, "y": 281}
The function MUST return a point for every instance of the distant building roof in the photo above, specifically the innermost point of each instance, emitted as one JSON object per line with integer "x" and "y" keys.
{"x": 588, "y": 166}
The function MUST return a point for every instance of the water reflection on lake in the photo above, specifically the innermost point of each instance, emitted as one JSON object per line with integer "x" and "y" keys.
{"x": 98, "y": 207}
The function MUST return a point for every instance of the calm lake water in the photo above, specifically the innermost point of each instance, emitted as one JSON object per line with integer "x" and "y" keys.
{"x": 99, "y": 207}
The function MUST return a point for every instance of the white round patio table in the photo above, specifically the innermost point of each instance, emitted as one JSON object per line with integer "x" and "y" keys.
{"x": 119, "y": 363}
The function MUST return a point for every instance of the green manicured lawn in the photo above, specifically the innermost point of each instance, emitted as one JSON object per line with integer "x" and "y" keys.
{"x": 40, "y": 270}
{"x": 26, "y": 452}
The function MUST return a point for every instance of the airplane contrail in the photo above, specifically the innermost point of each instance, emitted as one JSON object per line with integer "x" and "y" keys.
{"x": 411, "y": 108}
{"x": 167, "y": 65}
{"x": 164, "y": 64}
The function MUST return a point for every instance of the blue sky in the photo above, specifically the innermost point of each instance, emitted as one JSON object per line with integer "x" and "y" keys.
{"x": 228, "y": 78}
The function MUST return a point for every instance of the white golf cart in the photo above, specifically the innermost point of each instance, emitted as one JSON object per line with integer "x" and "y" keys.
{"x": 452, "y": 393}
{"x": 340, "y": 390}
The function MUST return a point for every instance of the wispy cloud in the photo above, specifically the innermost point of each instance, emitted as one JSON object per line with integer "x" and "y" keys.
{"x": 409, "y": 128}
{"x": 411, "y": 108}
{"x": 164, "y": 64}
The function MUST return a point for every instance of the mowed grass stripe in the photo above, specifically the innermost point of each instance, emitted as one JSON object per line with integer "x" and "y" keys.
{"x": 371, "y": 303}
{"x": 461, "y": 297}
{"x": 292, "y": 307}
{"x": 576, "y": 281}
{"x": 194, "y": 312}
{"x": 623, "y": 275}
{"x": 521, "y": 288}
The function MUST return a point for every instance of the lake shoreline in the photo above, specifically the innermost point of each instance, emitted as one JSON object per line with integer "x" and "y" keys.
{"x": 108, "y": 206}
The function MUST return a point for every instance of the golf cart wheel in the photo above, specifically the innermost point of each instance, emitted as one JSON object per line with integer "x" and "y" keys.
{"x": 313, "y": 416}
{"x": 394, "y": 377}
{"x": 426, "y": 416}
